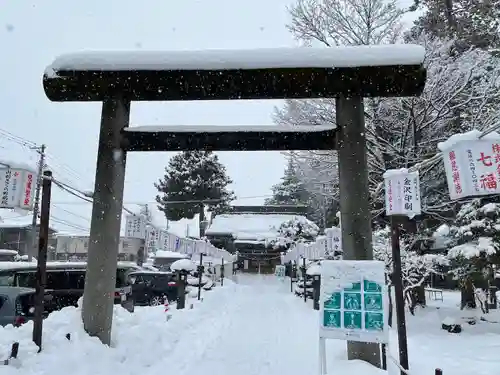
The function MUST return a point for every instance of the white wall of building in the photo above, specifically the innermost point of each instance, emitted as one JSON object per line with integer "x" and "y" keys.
{"x": 77, "y": 246}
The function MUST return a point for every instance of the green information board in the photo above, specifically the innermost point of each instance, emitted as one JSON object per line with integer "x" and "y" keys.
{"x": 359, "y": 306}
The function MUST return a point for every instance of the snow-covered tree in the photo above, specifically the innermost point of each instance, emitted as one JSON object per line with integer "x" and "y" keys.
{"x": 461, "y": 93}
{"x": 318, "y": 173}
{"x": 298, "y": 229}
{"x": 332, "y": 23}
{"x": 290, "y": 191}
{"x": 402, "y": 132}
{"x": 475, "y": 247}
{"x": 416, "y": 268}
{"x": 192, "y": 177}
{"x": 471, "y": 22}
{"x": 346, "y": 22}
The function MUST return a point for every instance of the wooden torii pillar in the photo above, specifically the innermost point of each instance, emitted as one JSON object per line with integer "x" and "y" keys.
{"x": 118, "y": 78}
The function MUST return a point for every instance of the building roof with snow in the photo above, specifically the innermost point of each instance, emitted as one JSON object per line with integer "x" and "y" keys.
{"x": 19, "y": 221}
{"x": 249, "y": 226}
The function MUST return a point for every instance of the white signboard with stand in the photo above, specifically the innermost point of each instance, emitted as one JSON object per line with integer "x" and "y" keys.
{"x": 472, "y": 164}
{"x": 402, "y": 193}
{"x": 354, "y": 303}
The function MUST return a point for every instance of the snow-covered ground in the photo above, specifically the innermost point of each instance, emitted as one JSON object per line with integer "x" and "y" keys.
{"x": 254, "y": 327}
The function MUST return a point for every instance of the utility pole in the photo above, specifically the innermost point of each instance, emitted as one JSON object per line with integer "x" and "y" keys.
{"x": 41, "y": 271}
{"x": 143, "y": 255}
{"x": 34, "y": 239}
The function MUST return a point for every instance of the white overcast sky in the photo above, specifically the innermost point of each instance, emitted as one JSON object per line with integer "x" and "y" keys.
{"x": 32, "y": 33}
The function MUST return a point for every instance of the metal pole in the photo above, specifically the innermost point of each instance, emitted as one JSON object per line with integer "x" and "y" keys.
{"x": 41, "y": 163}
{"x": 201, "y": 220}
{"x": 222, "y": 273}
{"x": 100, "y": 280}
{"x": 304, "y": 277}
{"x": 384, "y": 356}
{"x": 316, "y": 291}
{"x": 181, "y": 289}
{"x": 41, "y": 268}
{"x": 354, "y": 205}
{"x": 397, "y": 280}
{"x": 200, "y": 275}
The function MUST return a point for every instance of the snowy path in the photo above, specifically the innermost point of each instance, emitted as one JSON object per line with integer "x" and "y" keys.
{"x": 255, "y": 334}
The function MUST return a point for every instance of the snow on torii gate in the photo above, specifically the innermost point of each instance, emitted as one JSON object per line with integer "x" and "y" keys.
{"x": 118, "y": 78}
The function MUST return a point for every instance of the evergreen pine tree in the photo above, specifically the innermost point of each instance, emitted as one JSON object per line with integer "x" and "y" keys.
{"x": 290, "y": 191}
{"x": 193, "y": 177}
{"x": 475, "y": 246}
{"x": 471, "y": 22}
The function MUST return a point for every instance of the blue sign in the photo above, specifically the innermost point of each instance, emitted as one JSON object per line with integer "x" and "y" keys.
{"x": 359, "y": 306}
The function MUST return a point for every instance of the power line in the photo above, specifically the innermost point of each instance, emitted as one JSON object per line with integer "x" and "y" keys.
{"x": 68, "y": 224}
{"x": 178, "y": 202}
{"x": 17, "y": 139}
{"x": 71, "y": 213}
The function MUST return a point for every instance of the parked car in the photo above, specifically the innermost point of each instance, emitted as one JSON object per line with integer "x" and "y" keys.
{"x": 151, "y": 288}
{"x": 17, "y": 305}
{"x": 65, "y": 281}
{"x": 7, "y": 255}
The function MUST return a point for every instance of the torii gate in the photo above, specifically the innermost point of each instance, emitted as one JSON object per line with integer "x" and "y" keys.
{"x": 118, "y": 78}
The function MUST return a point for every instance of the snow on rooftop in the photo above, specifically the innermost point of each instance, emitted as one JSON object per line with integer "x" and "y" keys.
{"x": 164, "y": 254}
{"x": 254, "y": 227}
{"x": 213, "y": 59}
{"x": 222, "y": 129}
{"x": 8, "y": 252}
{"x": 472, "y": 135}
{"x": 16, "y": 221}
{"x": 15, "y": 265}
{"x": 17, "y": 165}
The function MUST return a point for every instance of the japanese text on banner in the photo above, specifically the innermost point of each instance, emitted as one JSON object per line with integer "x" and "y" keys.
{"x": 402, "y": 193}
{"x": 473, "y": 168}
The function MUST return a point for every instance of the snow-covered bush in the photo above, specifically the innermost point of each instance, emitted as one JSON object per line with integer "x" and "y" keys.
{"x": 416, "y": 268}
{"x": 298, "y": 229}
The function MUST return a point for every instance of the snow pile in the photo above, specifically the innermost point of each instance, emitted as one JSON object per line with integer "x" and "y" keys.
{"x": 140, "y": 340}
{"x": 183, "y": 264}
{"x": 442, "y": 231}
{"x": 313, "y": 270}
